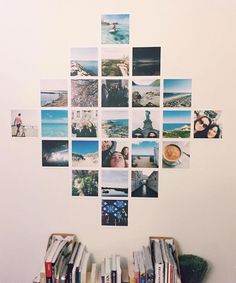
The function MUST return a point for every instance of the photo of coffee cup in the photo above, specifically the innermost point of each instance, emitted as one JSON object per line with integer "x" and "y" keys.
{"x": 171, "y": 154}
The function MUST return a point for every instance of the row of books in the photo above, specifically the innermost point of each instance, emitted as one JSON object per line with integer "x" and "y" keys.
{"x": 68, "y": 261}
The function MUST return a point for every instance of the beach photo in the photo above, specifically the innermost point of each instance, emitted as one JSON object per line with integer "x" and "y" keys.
{"x": 115, "y": 62}
{"x": 144, "y": 183}
{"x": 85, "y": 153}
{"x": 115, "y": 93}
{"x": 55, "y": 153}
{"x": 85, "y": 183}
{"x": 84, "y": 61}
{"x": 146, "y": 93}
{"x": 114, "y": 212}
{"x": 115, "y": 29}
{"x": 177, "y": 93}
{"x": 176, "y": 154}
{"x": 84, "y": 93}
{"x": 114, "y": 183}
{"x": 54, "y": 93}
{"x": 115, "y": 123}
{"x": 208, "y": 124}
{"x": 146, "y": 61}
{"x": 176, "y": 124}
{"x": 145, "y": 123}
{"x": 84, "y": 123}
{"x": 54, "y": 123}
{"x": 115, "y": 154}
{"x": 24, "y": 123}
{"x": 145, "y": 154}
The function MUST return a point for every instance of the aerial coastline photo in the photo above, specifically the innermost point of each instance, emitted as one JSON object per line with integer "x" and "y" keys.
{"x": 115, "y": 62}
{"x": 146, "y": 61}
{"x": 84, "y": 93}
{"x": 146, "y": 93}
{"x": 177, "y": 93}
{"x": 54, "y": 93}
{"x": 114, "y": 183}
{"x": 115, "y": 124}
{"x": 24, "y": 123}
{"x": 84, "y": 62}
{"x": 176, "y": 124}
{"x": 115, "y": 29}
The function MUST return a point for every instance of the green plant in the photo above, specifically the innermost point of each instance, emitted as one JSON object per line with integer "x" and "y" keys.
{"x": 192, "y": 268}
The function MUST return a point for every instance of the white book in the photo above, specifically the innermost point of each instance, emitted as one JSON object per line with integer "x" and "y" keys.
{"x": 78, "y": 260}
{"x": 93, "y": 273}
{"x": 158, "y": 262}
{"x": 107, "y": 270}
{"x": 118, "y": 269}
{"x": 165, "y": 259}
{"x": 84, "y": 266}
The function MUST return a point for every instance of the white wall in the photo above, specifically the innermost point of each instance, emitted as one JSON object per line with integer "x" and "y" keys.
{"x": 196, "y": 205}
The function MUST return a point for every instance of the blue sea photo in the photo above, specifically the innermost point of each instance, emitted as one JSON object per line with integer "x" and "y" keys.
{"x": 54, "y": 123}
{"x": 115, "y": 29}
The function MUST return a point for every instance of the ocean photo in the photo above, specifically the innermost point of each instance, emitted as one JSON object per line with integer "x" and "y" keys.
{"x": 146, "y": 61}
{"x": 54, "y": 123}
{"x": 24, "y": 123}
{"x": 84, "y": 61}
{"x": 115, "y": 29}
{"x": 114, "y": 183}
{"x": 145, "y": 154}
{"x": 146, "y": 93}
{"x": 177, "y": 93}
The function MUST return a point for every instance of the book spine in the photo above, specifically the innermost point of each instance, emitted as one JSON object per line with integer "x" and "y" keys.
{"x": 48, "y": 272}
{"x": 113, "y": 276}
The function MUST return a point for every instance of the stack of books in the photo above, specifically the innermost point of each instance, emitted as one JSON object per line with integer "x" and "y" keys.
{"x": 165, "y": 260}
{"x": 110, "y": 270}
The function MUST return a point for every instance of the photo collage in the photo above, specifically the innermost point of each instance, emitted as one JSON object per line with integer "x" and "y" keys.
{"x": 115, "y": 122}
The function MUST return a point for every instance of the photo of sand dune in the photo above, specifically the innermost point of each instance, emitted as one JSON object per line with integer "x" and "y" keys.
{"x": 84, "y": 153}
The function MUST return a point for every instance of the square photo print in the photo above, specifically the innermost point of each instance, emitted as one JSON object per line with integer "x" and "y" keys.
{"x": 115, "y": 29}
{"x": 54, "y": 123}
{"x": 114, "y": 183}
{"x": 207, "y": 124}
{"x": 146, "y": 61}
{"x": 84, "y": 62}
{"x": 115, "y": 123}
{"x": 55, "y": 153}
{"x": 24, "y": 123}
{"x": 145, "y": 154}
{"x": 85, "y": 183}
{"x": 114, "y": 212}
{"x": 146, "y": 93}
{"x": 54, "y": 93}
{"x": 176, "y": 154}
{"x": 177, "y": 93}
{"x": 144, "y": 183}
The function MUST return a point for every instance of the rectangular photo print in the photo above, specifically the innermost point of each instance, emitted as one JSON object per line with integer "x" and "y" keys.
{"x": 85, "y": 183}
{"x": 176, "y": 154}
{"x": 145, "y": 154}
{"x": 115, "y": 93}
{"x": 54, "y": 123}
{"x": 24, "y": 123}
{"x": 176, "y": 124}
{"x": 55, "y": 153}
{"x": 114, "y": 212}
{"x": 115, "y": 62}
{"x": 84, "y": 93}
{"x": 144, "y": 183}
{"x": 115, "y": 29}
{"x": 177, "y": 93}
{"x": 54, "y": 93}
{"x": 114, "y": 183}
{"x": 146, "y": 123}
{"x": 115, "y": 154}
{"x": 84, "y": 61}
{"x": 146, "y": 93}
{"x": 84, "y": 123}
{"x": 115, "y": 123}
{"x": 208, "y": 124}
{"x": 146, "y": 61}
{"x": 85, "y": 153}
